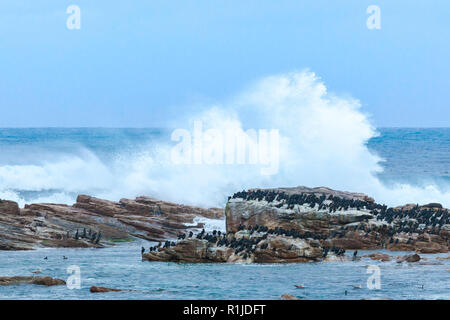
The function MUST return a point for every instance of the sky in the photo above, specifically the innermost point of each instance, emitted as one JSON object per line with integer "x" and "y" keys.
{"x": 140, "y": 63}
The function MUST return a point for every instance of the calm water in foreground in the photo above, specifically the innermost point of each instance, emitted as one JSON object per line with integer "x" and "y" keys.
{"x": 121, "y": 267}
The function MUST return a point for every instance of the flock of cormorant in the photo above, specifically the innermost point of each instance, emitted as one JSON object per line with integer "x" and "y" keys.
{"x": 93, "y": 237}
{"x": 426, "y": 219}
{"x": 246, "y": 246}
{"x": 329, "y": 202}
{"x": 429, "y": 218}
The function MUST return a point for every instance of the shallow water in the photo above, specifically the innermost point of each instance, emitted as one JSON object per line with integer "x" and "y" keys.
{"x": 121, "y": 267}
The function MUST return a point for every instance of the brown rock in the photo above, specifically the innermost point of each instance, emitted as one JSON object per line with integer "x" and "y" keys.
{"x": 379, "y": 256}
{"x": 191, "y": 251}
{"x": 344, "y": 224}
{"x": 9, "y": 207}
{"x": 43, "y": 281}
{"x": 47, "y": 281}
{"x": 409, "y": 258}
{"x": 288, "y": 296}
{"x": 55, "y": 225}
{"x": 277, "y": 249}
{"x": 95, "y": 289}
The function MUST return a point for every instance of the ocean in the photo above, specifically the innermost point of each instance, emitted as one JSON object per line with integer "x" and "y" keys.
{"x": 55, "y": 165}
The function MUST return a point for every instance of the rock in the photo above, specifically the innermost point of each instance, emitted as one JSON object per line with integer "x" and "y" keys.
{"x": 47, "y": 281}
{"x": 192, "y": 251}
{"x": 95, "y": 289}
{"x": 409, "y": 258}
{"x": 342, "y": 219}
{"x": 435, "y": 246}
{"x": 56, "y": 225}
{"x": 273, "y": 249}
{"x": 312, "y": 221}
{"x": 245, "y": 212}
{"x": 307, "y": 224}
{"x": 43, "y": 280}
{"x": 288, "y": 296}
{"x": 430, "y": 263}
{"x": 335, "y": 258}
{"x": 433, "y": 205}
{"x": 379, "y": 256}
{"x": 9, "y": 207}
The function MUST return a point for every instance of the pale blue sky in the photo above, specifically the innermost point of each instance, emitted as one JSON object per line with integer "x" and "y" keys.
{"x": 137, "y": 63}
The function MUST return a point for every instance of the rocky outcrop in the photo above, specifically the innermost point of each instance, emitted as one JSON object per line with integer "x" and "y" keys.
{"x": 243, "y": 246}
{"x": 9, "y": 207}
{"x": 288, "y": 296}
{"x": 342, "y": 219}
{"x": 379, "y": 256}
{"x": 409, "y": 258}
{"x": 311, "y": 224}
{"x": 262, "y": 225}
{"x": 93, "y": 222}
{"x": 42, "y": 281}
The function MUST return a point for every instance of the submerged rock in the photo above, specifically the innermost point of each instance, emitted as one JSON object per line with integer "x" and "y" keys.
{"x": 288, "y": 296}
{"x": 95, "y": 289}
{"x": 379, "y": 256}
{"x": 37, "y": 280}
{"x": 409, "y": 258}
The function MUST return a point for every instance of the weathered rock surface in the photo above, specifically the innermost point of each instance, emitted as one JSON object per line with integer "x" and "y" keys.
{"x": 288, "y": 296}
{"x": 242, "y": 246}
{"x": 9, "y": 207}
{"x": 93, "y": 222}
{"x": 95, "y": 289}
{"x": 264, "y": 226}
{"x": 303, "y": 224}
{"x": 379, "y": 256}
{"x": 342, "y": 219}
{"x": 409, "y": 258}
{"x": 43, "y": 281}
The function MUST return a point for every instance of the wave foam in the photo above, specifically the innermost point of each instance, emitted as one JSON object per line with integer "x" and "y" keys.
{"x": 323, "y": 142}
